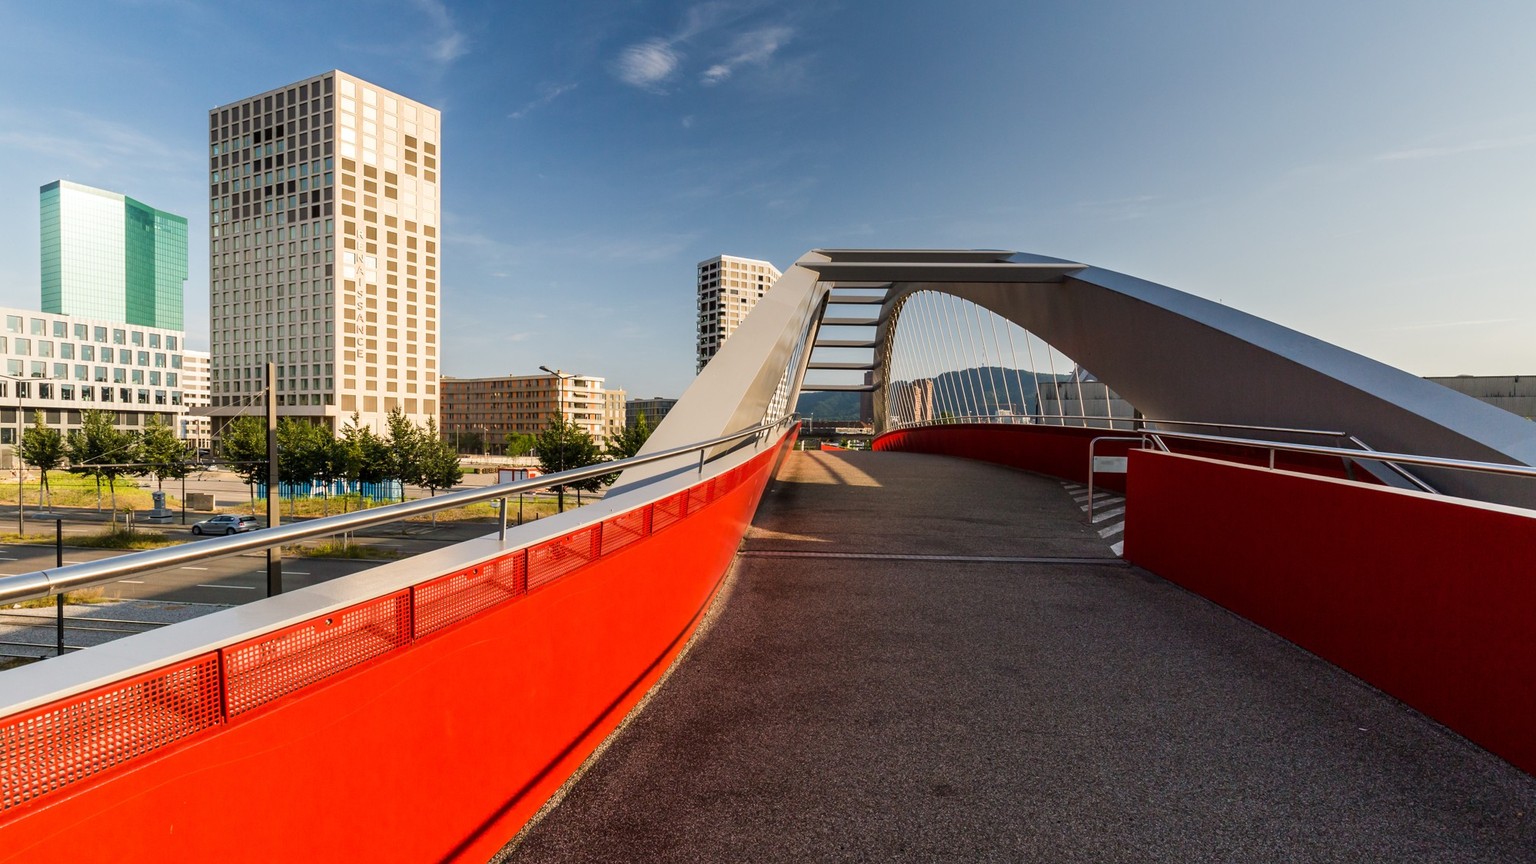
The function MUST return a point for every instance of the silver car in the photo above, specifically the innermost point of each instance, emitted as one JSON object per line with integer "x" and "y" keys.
{"x": 226, "y": 524}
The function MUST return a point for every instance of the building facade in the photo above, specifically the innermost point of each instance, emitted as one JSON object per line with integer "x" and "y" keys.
{"x": 61, "y": 365}
{"x": 324, "y": 252}
{"x": 493, "y": 408}
{"x": 1514, "y": 393}
{"x": 107, "y": 257}
{"x": 613, "y": 413}
{"x": 196, "y": 427}
{"x": 654, "y": 409}
{"x": 728, "y": 288}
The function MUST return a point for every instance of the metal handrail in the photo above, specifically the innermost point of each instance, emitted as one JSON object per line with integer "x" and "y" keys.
{"x": 42, "y": 583}
{"x": 1137, "y": 423}
{"x": 1363, "y": 456}
{"x": 1397, "y": 469}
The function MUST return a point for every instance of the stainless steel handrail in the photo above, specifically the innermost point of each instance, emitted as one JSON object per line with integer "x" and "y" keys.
{"x": 1363, "y": 456}
{"x": 1396, "y": 468}
{"x": 42, "y": 583}
{"x": 1136, "y": 423}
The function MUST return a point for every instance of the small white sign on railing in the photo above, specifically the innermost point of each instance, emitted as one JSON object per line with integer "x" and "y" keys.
{"x": 1109, "y": 464}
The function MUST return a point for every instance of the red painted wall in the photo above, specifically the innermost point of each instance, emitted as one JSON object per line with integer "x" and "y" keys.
{"x": 1059, "y": 451}
{"x": 1430, "y": 599}
{"x": 438, "y": 748}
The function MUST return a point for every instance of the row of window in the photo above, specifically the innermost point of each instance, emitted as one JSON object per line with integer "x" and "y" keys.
{"x": 67, "y": 351}
{"x": 91, "y": 393}
{"x": 61, "y": 372}
{"x": 87, "y": 332}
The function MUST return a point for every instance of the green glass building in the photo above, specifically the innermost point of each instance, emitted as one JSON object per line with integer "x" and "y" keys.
{"x": 109, "y": 257}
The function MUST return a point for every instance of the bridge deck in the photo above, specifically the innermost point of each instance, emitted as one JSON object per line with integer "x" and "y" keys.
{"x": 892, "y": 709}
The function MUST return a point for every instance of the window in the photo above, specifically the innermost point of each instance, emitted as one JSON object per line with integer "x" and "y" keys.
{"x": 159, "y": 397}
{"x": 45, "y": 348}
{"x": 39, "y": 327}
{"x": 101, "y": 334}
{"x": 61, "y": 329}
{"x": 67, "y": 392}
{"x": 61, "y": 371}
{"x": 119, "y": 376}
{"x": 137, "y": 337}
{"x": 154, "y": 379}
{"x": 13, "y": 367}
{"x": 159, "y": 361}
{"x": 39, "y": 369}
{"x": 13, "y": 323}
{"x": 170, "y": 343}
{"x": 87, "y": 393}
{"x": 143, "y": 358}
{"x": 154, "y": 340}
{"x": 106, "y": 394}
{"x": 143, "y": 397}
{"x": 82, "y": 332}
{"x": 170, "y": 379}
{"x": 82, "y": 372}
{"x": 175, "y": 361}
{"x": 119, "y": 337}
{"x": 24, "y": 347}
{"x": 100, "y": 374}
{"x": 87, "y": 352}
{"x": 138, "y": 376}
{"x": 66, "y": 350}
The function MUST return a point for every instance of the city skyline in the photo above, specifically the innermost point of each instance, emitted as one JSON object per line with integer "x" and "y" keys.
{"x": 1366, "y": 182}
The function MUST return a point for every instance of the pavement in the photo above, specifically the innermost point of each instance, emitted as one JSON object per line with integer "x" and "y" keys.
{"x": 919, "y": 658}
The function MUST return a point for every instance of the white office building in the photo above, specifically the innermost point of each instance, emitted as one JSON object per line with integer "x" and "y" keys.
{"x": 60, "y": 365}
{"x": 324, "y": 245}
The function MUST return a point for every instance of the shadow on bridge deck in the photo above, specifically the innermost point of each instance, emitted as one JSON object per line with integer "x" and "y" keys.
{"x": 1076, "y": 709}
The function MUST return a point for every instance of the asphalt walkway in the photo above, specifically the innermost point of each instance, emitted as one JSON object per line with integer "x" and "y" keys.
{"x": 929, "y": 659}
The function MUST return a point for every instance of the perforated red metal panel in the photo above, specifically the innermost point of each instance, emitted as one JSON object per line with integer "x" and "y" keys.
{"x": 625, "y": 528}
{"x": 700, "y": 494}
{"x": 264, "y": 668}
{"x": 44, "y": 750}
{"x": 552, "y": 559}
{"x": 459, "y": 595}
{"x": 669, "y": 510}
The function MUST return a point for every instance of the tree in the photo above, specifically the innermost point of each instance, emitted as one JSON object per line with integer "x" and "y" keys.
{"x": 439, "y": 462}
{"x": 301, "y": 448}
{"x": 165, "y": 455}
{"x": 99, "y": 449}
{"x": 562, "y": 446}
{"x": 628, "y": 442}
{"x": 334, "y": 461}
{"x": 519, "y": 444}
{"x": 42, "y": 447}
{"x": 243, "y": 444}
{"x": 367, "y": 454}
{"x": 405, "y": 445}
{"x": 468, "y": 442}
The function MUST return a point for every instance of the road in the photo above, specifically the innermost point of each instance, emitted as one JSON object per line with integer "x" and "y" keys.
{"x": 233, "y": 580}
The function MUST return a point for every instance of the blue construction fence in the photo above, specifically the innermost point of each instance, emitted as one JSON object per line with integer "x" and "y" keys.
{"x": 389, "y": 490}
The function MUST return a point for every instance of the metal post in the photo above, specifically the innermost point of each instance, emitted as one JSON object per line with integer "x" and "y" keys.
{"x": 274, "y": 508}
{"x": 701, "y": 463}
{"x": 58, "y": 555}
{"x": 501, "y": 517}
{"x": 183, "y": 497}
{"x": 519, "y": 508}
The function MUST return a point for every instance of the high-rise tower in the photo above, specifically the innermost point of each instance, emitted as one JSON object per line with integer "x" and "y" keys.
{"x": 323, "y": 256}
{"x": 108, "y": 257}
{"x": 728, "y": 289}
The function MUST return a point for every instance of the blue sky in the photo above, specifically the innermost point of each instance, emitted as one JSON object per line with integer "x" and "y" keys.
{"x": 1363, "y": 172}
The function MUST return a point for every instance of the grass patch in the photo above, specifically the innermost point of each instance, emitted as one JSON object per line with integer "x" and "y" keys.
{"x": 123, "y": 539}
{"x": 341, "y": 549}
{"x": 83, "y": 596}
{"x": 43, "y": 539}
{"x": 75, "y": 490}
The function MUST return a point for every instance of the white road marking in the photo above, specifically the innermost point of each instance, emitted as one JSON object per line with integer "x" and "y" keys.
{"x": 297, "y": 572}
{"x": 1101, "y": 515}
{"x": 131, "y": 581}
{"x": 1112, "y": 530}
{"x": 1118, "y": 548}
{"x": 10, "y": 559}
{"x": 194, "y": 568}
{"x": 234, "y": 587}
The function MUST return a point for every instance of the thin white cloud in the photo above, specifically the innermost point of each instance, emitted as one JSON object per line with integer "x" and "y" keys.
{"x": 551, "y": 94}
{"x": 648, "y": 65}
{"x": 1456, "y": 149}
{"x": 448, "y": 42}
{"x": 749, "y": 49}
{"x": 1441, "y": 325}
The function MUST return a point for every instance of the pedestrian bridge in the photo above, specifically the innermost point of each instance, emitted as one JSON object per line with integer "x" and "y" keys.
{"x": 1280, "y": 610}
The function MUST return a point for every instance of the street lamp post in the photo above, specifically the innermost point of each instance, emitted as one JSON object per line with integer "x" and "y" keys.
{"x": 21, "y": 520}
{"x": 560, "y": 379}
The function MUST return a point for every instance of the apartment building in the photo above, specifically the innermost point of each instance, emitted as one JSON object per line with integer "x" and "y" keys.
{"x": 493, "y": 408}
{"x": 728, "y": 288}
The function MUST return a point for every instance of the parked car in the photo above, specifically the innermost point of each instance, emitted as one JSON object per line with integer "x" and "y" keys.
{"x": 226, "y": 524}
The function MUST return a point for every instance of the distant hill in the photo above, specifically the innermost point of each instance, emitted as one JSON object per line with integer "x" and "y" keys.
{"x": 975, "y": 391}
